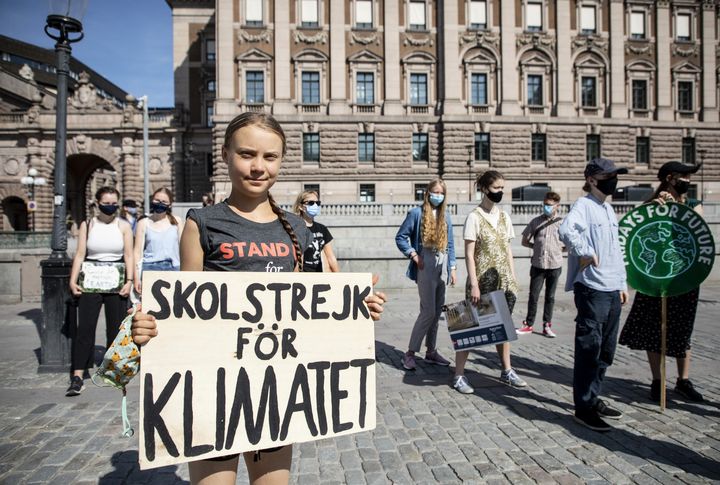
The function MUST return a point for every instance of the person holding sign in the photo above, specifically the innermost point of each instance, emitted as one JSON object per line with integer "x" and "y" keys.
{"x": 426, "y": 238}
{"x": 104, "y": 240}
{"x": 307, "y": 206}
{"x": 489, "y": 260}
{"x": 246, "y": 232}
{"x": 596, "y": 273}
{"x": 642, "y": 327}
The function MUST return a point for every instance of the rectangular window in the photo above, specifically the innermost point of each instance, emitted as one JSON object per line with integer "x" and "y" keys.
{"x": 309, "y": 13}
{"x": 534, "y": 90}
{"x": 419, "y": 192}
{"x": 639, "y": 94}
{"x": 685, "y": 96}
{"x": 688, "y": 150}
{"x": 420, "y": 147}
{"x": 209, "y": 113}
{"x": 418, "y": 89}
{"x": 310, "y": 88}
{"x": 637, "y": 25}
{"x": 533, "y": 17}
{"x": 210, "y": 50}
{"x": 539, "y": 147}
{"x": 363, "y": 14}
{"x": 365, "y": 88}
{"x": 311, "y": 147}
{"x": 366, "y": 147}
{"x": 588, "y": 95}
{"x": 478, "y": 88}
{"x": 482, "y": 147}
{"x": 209, "y": 165}
{"x": 478, "y": 15}
{"x": 416, "y": 16}
{"x": 255, "y": 87}
{"x": 313, "y": 187}
{"x": 642, "y": 150}
{"x": 682, "y": 27}
{"x": 253, "y": 12}
{"x": 211, "y": 86}
{"x": 592, "y": 147}
{"x": 367, "y": 192}
{"x": 588, "y": 23}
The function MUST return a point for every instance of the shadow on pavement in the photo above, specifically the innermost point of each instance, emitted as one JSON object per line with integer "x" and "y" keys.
{"x": 126, "y": 470}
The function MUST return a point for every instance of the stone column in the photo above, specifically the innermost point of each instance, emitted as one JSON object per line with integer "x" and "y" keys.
{"x": 664, "y": 75}
{"x": 181, "y": 45}
{"x": 338, "y": 96}
{"x": 393, "y": 75}
{"x": 709, "y": 96}
{"x": 225, "y": 107}
{"x": 618, "y": 104}
{"x": 283, "y": 70}
{"x": 564, "y": 63}
{"x": 450, "y": 62}
{"x": 509, "y": 104}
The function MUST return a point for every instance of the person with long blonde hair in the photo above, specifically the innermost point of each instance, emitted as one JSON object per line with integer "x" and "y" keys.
{"x": 307, "y": 206}
{"x": 426, "y": 238}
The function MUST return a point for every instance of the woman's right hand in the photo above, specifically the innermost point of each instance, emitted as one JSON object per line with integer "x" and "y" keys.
{"x": 75, "y": 289}
{"x": 419, "y": 261}
{"x": 144, "y": 327}
{"x": 475, "y": 294}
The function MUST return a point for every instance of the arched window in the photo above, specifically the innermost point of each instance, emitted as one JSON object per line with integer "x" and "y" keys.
{"x": 590, "y": 71}
{"x": 310, "y": 69}
{"x": 480, "y": 83}
{"x": 640, "y": 89}
{"x": 536, "y": 69}
{"x": 686, "y": 78}
{"x": 419, "y": 83}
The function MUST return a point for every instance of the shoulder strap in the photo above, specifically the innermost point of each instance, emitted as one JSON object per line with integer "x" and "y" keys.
{"x": 544, "y": 225}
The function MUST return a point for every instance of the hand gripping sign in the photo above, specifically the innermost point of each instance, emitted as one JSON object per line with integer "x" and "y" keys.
{"x": 249, "y": 361}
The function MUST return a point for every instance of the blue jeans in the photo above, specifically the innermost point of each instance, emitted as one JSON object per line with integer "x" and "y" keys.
{"x": 596, "y": 332}
{"x": 160, "y": 266}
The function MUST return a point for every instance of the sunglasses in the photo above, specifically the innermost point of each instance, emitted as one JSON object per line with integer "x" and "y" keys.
{"x": 311, "y": 202}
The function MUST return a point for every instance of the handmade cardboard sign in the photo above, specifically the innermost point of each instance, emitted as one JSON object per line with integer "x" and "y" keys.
{"x": 249, "y": 361}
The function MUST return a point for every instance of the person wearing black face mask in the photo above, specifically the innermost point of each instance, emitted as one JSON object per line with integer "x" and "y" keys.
{"x": 596, "y": 274}
{"x": 642, "y": 327}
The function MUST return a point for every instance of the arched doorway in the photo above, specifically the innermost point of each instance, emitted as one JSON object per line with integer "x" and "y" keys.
{"x": 85, "y": 174}
{"x": 15, "y": 215}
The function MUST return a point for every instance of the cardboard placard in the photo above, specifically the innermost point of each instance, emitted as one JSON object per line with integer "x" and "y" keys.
{"x": 488, "y": 322}
{"x": 101, "y": 277}
{"x": 249, "y": 361}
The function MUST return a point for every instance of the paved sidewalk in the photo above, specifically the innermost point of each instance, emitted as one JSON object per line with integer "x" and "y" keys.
{"x": 426, "y": 432}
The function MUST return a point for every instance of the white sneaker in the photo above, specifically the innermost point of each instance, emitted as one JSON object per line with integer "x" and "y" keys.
{"x": 512, "y": 379}
{"x": 462, "y": 385}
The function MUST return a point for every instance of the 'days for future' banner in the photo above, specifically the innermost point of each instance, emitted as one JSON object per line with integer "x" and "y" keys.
{"x": 248, "y": 361}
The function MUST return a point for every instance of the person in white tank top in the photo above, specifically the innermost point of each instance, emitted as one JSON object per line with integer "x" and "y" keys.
{"x": 108, "y": 238}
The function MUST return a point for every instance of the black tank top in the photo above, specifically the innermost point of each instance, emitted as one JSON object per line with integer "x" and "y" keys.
{"x": 232, "y": 243}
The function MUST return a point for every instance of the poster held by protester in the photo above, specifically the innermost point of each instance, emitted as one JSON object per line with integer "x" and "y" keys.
{"x": 250, "y": 361}
{"x": 488, "y": 322}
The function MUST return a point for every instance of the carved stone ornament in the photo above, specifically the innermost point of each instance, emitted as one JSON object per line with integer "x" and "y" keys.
{"x": 415, "y": 42}
{"x": 85, "y": 96}
{"x": 479, "y": 38}
{"x": 709, "y": 4}
{"x": 637, "y": 49}
{"x": 27, "y": 73}
{"x": 684, "y": 51}
{"x": 263, "y": 36}
{"x": 155, "y": 166}
{"x": 11, "y": 166}
{"x": 535, "y": 39}
{"x": 589, "y": 42}
{"x": 319, "y": 38}
{"x": 33, "y": 113}
{"x": 356, "y": 39}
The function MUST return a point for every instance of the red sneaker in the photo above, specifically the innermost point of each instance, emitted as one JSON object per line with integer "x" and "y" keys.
{"x": 525, "y": 329}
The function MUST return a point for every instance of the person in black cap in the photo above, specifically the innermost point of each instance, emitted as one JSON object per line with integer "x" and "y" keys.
{"x": 596, "y": 274}
{"x": 129, "y": 213}
{"x": 642, "y": 327}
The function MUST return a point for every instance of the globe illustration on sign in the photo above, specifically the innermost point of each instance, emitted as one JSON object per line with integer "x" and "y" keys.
{"x": 663, "y": 250}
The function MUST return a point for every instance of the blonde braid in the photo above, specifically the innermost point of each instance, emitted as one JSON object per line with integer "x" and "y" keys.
{"x": 288, "y": 228}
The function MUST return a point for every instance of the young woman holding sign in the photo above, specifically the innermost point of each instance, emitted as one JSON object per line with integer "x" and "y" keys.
{"x": 253, "y": 150}
{"x": 642, "y": 327}
{"x": 105, "y": 238}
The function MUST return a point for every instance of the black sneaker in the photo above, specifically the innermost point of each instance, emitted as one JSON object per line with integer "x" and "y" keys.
{"x": 605, "y": 411}
{"x": 591, "y": 419}
{"x": 686, "y": 389}
{"x": 76, "y": 386}
{"x": 655, "y": 391}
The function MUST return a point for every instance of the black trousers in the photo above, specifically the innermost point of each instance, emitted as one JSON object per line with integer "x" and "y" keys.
{"x": 83, "y": 345}
{"x": 537, "y": 276}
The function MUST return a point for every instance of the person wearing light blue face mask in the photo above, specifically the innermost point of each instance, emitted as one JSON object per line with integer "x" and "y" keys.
{"x": 542, "y": 236}
{"x": 307, "y": 206}
{"x": 426, "y": 238}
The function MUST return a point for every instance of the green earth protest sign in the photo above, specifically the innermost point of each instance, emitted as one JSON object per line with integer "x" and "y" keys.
{"x": 668, "y": 249}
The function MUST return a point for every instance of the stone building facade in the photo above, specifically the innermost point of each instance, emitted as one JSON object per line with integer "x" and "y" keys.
{"x": 377, "y": 96}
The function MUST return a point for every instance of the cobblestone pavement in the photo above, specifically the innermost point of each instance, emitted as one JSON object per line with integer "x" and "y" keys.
{"x": 426, "y": 431}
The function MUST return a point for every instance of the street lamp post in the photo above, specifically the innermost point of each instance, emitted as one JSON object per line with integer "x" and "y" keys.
{"x": 701, "y": 152}
{"x": 31, "y": 180}
{"x": 470, "y": 167}
{"x": 64, "y": 26}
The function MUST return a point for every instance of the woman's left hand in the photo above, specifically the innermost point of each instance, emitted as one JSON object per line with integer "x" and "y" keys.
{"x": 125, "y": 290}
{"x": 453, "y": 277}
{"x": 376, "y": 301}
